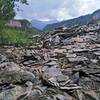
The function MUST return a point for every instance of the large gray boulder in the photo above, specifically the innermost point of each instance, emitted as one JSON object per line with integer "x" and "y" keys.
{"x": 12, "y": 73}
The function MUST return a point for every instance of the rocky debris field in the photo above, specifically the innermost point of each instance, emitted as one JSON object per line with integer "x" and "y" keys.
{"x": 65, "y": 66}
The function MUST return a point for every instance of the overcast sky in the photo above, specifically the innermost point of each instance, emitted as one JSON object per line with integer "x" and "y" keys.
{"x": 57, "y": 9}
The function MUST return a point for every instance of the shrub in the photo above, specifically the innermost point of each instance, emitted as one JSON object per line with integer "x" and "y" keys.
{"x": 15, "y": 37}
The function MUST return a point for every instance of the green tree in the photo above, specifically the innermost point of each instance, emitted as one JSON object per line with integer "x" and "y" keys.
{"x": 7, "y": 11}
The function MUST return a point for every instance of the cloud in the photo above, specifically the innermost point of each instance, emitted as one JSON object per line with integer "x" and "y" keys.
{"x": 57, "y": 9}
{"x": 88, "y": 6}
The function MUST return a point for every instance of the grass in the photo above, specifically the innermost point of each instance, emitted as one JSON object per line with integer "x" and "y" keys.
{"x": 15, "y": 37}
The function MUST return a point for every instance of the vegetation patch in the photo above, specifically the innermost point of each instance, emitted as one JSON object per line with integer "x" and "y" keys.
{"x": 15, "y": 37}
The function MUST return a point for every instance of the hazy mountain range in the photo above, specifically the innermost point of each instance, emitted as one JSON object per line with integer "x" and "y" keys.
{"x": 76, "y": 21}
{"x": 49, "y": 25}
{"x": 41, "y": 24}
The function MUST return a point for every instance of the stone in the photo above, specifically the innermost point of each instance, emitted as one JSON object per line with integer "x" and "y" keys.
{"x": 59, "y": 50}
{"x": 71, "y": 55}
{"x": 77, "y": 59}
{"x": 80, "y": 95}
{"x": 53, "y": 76}
{"x": 70, "y": 87}
{"x": 62, "y": 78}
{"x": 94, "y": 78}
{"x": 12, "y": 94}
{"x": 94, "y": 61}
{"x": 28, "y": 91}
{"x": 86, "y": 83}
{"x": 57, "y": 40}
{"x": 16, "y": 77}
{"x": 91, "y": 71}
{"x": 27, "y": 76}
{"x": 52, "y": 72}
{"x": 52, "y": 81}
{"x": 27, "y": 63}
{"x": 80, "y": 50}
{"x": 12, "y": 73}
{"x": 41, "y": 88}
{"x": 9, "y": 66}
{"x": 28, "y": 58}
{"x": 75, "y": 77}
{"x": 97, "y": 53}
{"x": 91, "y": 94}
{"x": 35, "y": 95}
{"x": 52, "y": 63}
{"x": 2, "y": 58}
{"x": 59, "y": 97}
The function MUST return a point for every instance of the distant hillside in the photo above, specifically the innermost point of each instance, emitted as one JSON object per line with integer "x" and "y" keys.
{"x": 76, "y": 21}
{"x": 24, "y": 25}
{"x": 41, "y": 24}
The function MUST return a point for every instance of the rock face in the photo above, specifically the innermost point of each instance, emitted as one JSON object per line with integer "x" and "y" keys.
{"x": 65, "y": 67}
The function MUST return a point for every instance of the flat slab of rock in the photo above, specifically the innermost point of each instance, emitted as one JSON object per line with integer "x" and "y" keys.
{"x": 80, "y": 50}
{"x": 71, "y": 55}
{"x": 77, "y": 59}
{"x": 12, "y": 73}
{"x": 97, "y": 53}
{"x": 91, "y": 94}
{"x": 60, "y": 50}
{"x": 52, "y": 63}
{"x": 53, "y": 76}
{"x": 12, "y": 94}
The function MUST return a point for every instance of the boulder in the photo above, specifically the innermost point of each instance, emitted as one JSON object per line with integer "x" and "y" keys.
{"x": 12, "y": 94}
{"x": 12, "y": 73}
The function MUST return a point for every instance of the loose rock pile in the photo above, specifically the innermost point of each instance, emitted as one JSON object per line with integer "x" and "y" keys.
{"x": 65, "y": 67}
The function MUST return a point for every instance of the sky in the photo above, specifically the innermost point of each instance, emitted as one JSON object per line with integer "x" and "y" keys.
{"x": 45, "y": 10}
